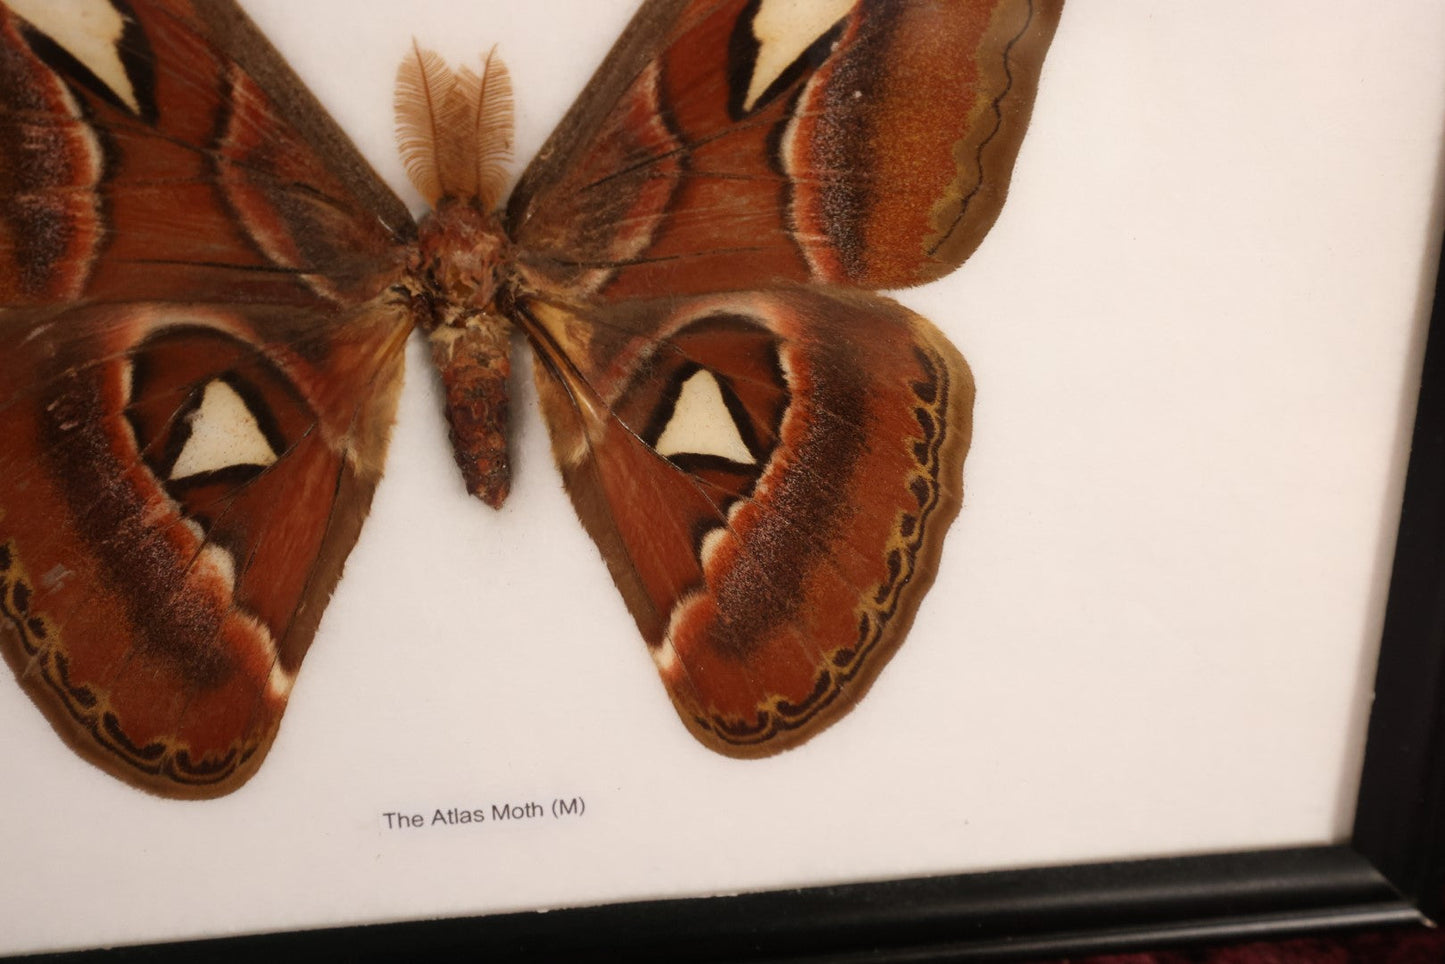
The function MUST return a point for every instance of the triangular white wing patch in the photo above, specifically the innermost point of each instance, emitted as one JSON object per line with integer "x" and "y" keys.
{"x": 90, "y": 31}
{"x": 784, "y": 29}
{"x": 224, "y": 434}
{"x": 702, "y": 425}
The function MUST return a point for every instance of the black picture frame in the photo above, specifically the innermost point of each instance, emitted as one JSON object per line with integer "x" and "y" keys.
{"x": 1392, "y": 872}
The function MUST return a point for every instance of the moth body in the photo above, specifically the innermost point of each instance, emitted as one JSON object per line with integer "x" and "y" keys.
{"x": 454, "y": 131}
{"x": 455, "y": 280}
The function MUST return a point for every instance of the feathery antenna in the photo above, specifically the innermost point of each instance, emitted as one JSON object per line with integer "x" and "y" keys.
{"x": 454, "y": 129}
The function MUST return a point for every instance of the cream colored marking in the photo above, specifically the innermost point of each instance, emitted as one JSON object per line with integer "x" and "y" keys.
{"x": 222, "y": 563}
{"x": 801, "y": 201}
{"x": 280, "y": 682}
{"x": 38, "y": 333}
{"x": 56, "y": 577}
{"x": 224, "y": 433}
{"x": 90, "y": 31}
{"x": 710, "y": 545}
{"x": 669, "y": 664}
{"x": 665, "y": 656}
{"x": 127, "y": 380}
{"x": 595, "y": 417}
{"x": 701, "y": 423}
{"x": 68, "y": 424}
{"x": 784, "y": 29}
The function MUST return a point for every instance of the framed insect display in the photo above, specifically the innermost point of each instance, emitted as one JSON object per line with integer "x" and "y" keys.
{"x": 964, "y": 615}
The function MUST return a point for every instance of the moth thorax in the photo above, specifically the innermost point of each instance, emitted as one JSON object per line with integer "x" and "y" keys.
{"x": 459, "y": 255}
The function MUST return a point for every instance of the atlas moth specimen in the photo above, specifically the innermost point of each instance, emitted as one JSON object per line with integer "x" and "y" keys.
{"x": 207, "y": 292}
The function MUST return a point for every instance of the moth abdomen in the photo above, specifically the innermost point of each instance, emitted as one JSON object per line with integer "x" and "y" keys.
{"x": 475, "y": 364}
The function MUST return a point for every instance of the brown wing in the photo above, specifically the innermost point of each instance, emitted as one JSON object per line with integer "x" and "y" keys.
{"x": 199, "y": 362}
{"x": 726, "y": 144}
{"x": 769, "y": 468}
{"x": 769, "y": 490}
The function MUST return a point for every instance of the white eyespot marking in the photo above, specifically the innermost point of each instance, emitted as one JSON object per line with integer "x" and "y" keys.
{"x": 784, "y": 29}
{"x": 701, "y": 423}
{"x": 90, "y": 31}
{"x": 224, "y": 433}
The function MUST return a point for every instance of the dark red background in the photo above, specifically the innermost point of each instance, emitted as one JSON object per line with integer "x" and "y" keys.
{"x": 1398, "y": 946}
